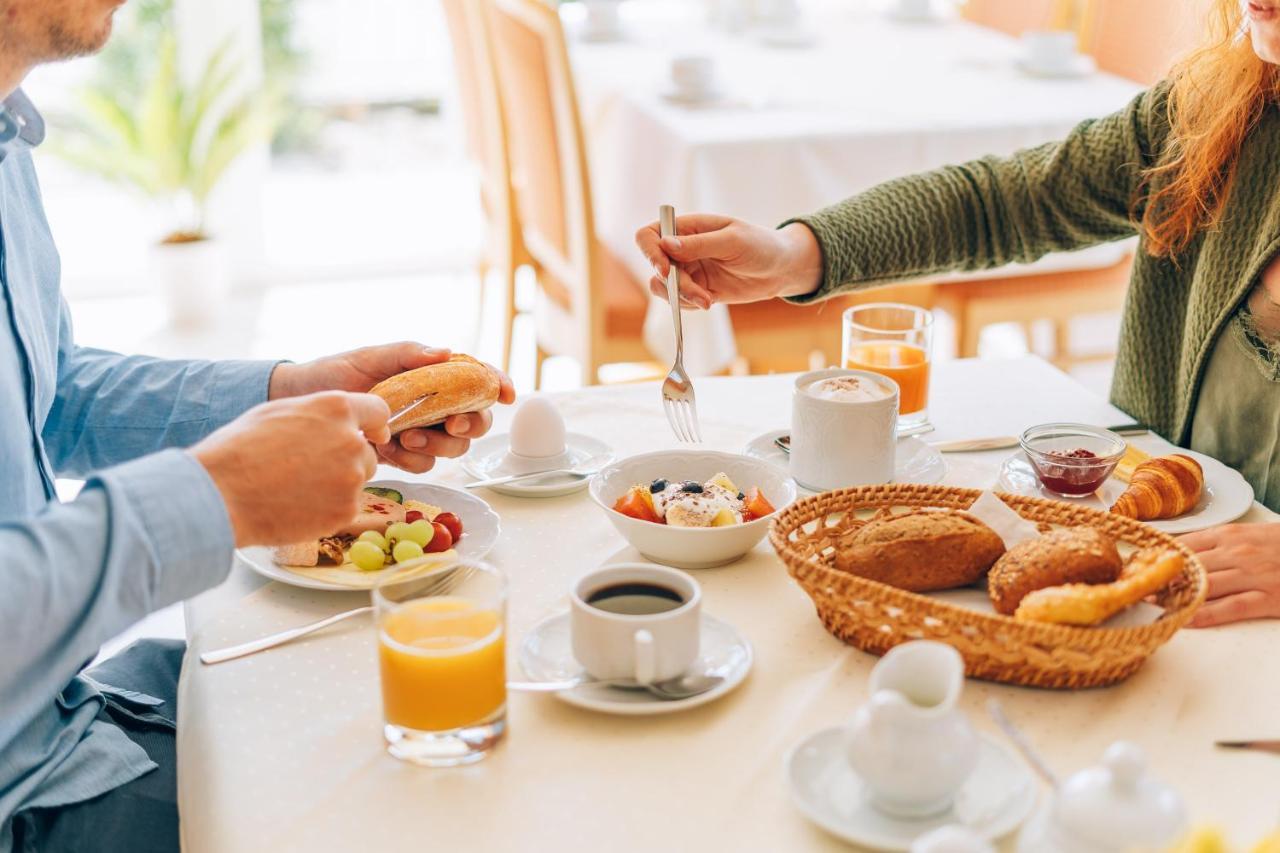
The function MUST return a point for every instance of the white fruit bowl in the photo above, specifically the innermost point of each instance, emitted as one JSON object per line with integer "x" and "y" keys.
{"x": 689, "y": 547}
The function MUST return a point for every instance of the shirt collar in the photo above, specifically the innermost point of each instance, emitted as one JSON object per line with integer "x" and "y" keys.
{"x": 20, "y": 124}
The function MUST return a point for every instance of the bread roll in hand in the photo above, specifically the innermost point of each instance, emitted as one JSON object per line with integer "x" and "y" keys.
{"x": 431, "y": 394}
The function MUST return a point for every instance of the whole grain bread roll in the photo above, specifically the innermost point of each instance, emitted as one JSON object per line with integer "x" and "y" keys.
{"x": 921, "y": 551}
{"x": 1072, "y": 555}
{"x": 432, "y": 393}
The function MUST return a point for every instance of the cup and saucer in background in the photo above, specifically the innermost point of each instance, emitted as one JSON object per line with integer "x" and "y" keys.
{"x": 635, "y": 622}
{"x": 603, "y": 21}
{"x": 1053, "y": 54}
{"x": 914, "y": 12}
{"x": 693, "y": 81}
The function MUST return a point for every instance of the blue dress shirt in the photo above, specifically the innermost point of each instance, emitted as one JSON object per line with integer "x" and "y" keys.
{"x": 149, "y": 529}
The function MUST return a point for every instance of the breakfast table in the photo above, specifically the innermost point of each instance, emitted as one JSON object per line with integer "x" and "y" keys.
{"x": 283, "y": 750}
{"x": 858, "y": 99}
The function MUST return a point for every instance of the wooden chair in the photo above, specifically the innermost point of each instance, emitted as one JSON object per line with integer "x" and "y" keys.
{"x": 1141, "y": 39}
{"x": 486, "y": 135}
{"x": 589, "y": 307}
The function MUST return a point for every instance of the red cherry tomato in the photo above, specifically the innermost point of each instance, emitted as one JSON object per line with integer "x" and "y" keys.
{"x": 452, "y": 522}
{"x": 412, "y": 516}
{"x": 442, "y": 541}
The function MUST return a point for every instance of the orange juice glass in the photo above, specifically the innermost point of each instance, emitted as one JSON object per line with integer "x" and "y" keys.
{"x": 442, "y": 658}
{"x": 895, "y": 341}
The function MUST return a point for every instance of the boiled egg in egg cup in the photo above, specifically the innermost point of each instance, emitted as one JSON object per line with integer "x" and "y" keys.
{"x": 537, "y": 441}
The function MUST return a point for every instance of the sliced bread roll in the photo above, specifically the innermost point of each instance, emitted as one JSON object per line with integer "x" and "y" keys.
{"x": 426, "y": 396}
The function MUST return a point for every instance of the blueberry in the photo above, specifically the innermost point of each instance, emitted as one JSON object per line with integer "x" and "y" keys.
{"x": 741, "y": 496}
{"x": 692, "y": 488}
{"x": 657, "y": 485}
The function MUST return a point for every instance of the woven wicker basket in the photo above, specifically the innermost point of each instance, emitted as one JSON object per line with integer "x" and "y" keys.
{"x": 875, "y": 617}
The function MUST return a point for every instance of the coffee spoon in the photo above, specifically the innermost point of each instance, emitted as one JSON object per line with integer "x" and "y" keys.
{"x": 672, "y": 689}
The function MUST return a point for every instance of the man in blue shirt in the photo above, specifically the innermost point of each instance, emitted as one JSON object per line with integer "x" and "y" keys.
{"x": 277, "y": 454}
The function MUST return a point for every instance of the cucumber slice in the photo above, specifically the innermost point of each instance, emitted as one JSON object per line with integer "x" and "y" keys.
{"x": 389, "y": 494}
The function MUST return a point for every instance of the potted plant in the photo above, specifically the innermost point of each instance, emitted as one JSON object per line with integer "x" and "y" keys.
{"x": 173, "y": 141}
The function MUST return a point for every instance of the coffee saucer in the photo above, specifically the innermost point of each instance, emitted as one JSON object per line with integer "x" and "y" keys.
{"x": 1081, "y": 65}
{"x": 914, "y": 461}
{"x": 546, "y": 655}
{"x": 489, "y": 458}
{"x": 995, "y": 800}
{"x": 688, "y": 98}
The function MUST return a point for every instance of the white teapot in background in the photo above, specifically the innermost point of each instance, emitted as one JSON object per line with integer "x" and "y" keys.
{"x": 1110, "y": 808}
{"x": 910, "y": 744}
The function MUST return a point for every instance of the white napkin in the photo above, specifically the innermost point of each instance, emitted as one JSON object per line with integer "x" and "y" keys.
{"x": 1007, "y": 524}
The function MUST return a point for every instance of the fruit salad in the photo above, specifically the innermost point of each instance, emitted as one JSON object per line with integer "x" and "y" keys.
{"x": 688, "y": 503}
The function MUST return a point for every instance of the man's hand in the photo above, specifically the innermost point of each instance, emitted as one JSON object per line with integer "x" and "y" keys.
{"x": 292, "y": 470}
{"x": 728, "y": 260}
{"x": 413, "y": 450}
{"x": 1243, "y": 561}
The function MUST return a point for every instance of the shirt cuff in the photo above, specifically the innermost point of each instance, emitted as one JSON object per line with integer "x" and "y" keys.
{"x": 172, "y": 501}
{"x": 237, "y": 387}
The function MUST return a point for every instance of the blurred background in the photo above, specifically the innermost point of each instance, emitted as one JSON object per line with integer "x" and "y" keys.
{"x": 288, "y": 178}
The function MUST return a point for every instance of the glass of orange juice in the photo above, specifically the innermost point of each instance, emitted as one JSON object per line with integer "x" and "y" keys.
{"x": 442, "y": 656}
{"x": 896, "y": 341}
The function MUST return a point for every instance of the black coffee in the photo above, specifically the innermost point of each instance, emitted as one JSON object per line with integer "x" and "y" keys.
{"x": 635, "y": 599}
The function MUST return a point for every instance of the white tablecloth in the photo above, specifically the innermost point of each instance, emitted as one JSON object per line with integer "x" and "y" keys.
{"x": 282, "y": 751}
{"x": 801, "y": 128}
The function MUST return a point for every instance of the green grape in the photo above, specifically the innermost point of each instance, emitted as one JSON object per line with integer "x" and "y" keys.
{"x": 420, "y": 531}
{"x": 375, "y": 538}
{"x": 406, "y": 550}
{"x": 367, "y": 556}
{"x": 397, "y": 531}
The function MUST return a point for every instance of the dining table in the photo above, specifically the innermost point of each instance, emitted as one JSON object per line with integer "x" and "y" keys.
{"x": 283, "y": 750}
{"x": 840, "y": 100}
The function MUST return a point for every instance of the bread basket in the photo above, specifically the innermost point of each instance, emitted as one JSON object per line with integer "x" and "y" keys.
{"x": 875, "y": 617}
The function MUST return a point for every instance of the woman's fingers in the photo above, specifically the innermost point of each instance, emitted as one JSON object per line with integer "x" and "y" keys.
{"x": 1201, "y": 540}
{"x": 691, "y": 295}
{"x": 1234, "y": 608}
{"x": 1229, "y": 581}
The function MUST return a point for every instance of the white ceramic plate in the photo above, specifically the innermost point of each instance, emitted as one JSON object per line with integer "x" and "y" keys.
{"x": 1227, "y": 495}
{"x": 914, "y": 461}
{"x": 993, "y": 802}
{"x": 480, "y": 528}
{"x": 489, "y": 458}
{"x": 546, "y": 655}
{"x": 691, "y": 547}
{"x": 1080, "y": 66}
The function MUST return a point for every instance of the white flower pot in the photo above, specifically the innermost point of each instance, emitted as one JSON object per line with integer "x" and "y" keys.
{"x": 193, "y": 280}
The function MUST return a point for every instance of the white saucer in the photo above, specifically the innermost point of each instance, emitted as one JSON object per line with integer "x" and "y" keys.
{"x": 546, "y": 655}
{"x": 1081, "y": 65}
{"x": 489, "y": 458}
{"x": 997, "y": 798}
{"x": 1227, "y": 495}
{"x": 915, "y": 461}
{"x": 687, "y": 98}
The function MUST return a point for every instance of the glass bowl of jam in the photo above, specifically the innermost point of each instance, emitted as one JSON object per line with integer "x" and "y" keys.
{"x": 1072, "y": 460}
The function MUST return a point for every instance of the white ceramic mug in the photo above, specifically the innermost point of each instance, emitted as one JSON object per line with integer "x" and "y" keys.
{"x": 644, "y": 648}
{"x": 836, "y": 444}
{"x": 693, "y": 75}
{"x": 1049, "y": 51}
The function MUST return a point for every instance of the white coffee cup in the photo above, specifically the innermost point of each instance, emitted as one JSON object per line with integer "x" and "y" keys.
{"x": 1049, "y": 51}
{"x": 693, "y": 75}
{"x": 836, "y": 444}
{"x": 603, "y": 18}
{"x": 644, "y": 647}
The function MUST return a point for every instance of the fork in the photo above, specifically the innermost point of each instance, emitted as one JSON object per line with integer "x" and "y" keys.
{"x": 677, "y": 389}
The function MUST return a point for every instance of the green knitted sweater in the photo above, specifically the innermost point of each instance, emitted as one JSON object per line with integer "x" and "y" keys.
{"x": 1068, "y": 195}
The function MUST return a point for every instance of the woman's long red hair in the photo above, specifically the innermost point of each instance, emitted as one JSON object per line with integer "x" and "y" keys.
{"x": 1217, "y": 96}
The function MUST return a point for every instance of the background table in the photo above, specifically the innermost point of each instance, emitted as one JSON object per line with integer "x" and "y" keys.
{"x": 803, "y": 127}
{"x": 282, "y": 751}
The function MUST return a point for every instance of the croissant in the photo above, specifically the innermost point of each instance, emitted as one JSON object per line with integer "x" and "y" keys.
{"x": 1161, "y": 488}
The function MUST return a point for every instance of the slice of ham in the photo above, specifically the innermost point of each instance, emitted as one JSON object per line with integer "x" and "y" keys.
{"x": 374, "y": 513}
{"x": 300, "y": 554}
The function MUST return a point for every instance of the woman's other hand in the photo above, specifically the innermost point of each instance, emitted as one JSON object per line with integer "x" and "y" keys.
{"x": 1243, "y": 561}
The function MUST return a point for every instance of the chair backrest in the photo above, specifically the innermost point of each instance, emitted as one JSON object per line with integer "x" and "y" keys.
{"x": 548, "y": 157}
{"x": 1014, "y": 17}
{"x": 1141, "y": 39}
{"x": 482, "y": 116}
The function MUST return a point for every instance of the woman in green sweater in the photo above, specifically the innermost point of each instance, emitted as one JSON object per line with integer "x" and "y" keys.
{"x": 1191, "y": 166}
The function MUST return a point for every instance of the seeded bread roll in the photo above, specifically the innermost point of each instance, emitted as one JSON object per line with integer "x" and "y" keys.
{"x": 1074, "y": 555}
{"x": 921, "y": 551}
{"x": 435, "y": 392}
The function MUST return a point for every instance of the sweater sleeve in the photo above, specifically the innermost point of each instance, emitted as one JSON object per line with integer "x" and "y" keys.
{"x": 997, "y": 210}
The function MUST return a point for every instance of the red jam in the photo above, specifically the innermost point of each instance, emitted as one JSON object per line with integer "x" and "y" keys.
{"x": 1071, "y": 477}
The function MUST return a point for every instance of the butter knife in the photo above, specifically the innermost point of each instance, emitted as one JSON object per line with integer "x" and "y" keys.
{"x": 1259, "y": 745}
{"x": 1002, "y": 442}
{"x": 397, "y": 418}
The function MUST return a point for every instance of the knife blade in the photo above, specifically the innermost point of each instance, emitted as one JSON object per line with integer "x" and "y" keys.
{"x": 1259, "y": 745}
{"x": 1002, "y": 442}
{"x": 398, "y": 417}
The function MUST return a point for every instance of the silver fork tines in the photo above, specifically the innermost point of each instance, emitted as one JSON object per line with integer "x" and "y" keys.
{"x": 677, "y": 389}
